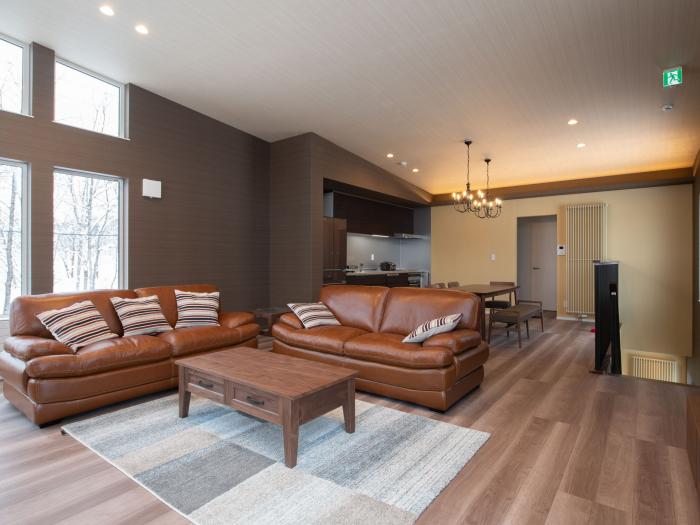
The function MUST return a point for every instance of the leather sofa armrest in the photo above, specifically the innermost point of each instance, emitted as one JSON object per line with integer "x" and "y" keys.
{"x": 291, "y": 319}
{"x": 235, "y": 319}
{"x": 26, "y": 347}
{"x": 457, "y": 340}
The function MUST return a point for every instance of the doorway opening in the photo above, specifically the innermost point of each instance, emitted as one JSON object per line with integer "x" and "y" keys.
{"x": 537, "y": 259}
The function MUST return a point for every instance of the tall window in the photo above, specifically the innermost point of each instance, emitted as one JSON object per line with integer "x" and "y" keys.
{"x": 87, "y": 239}
{"x": 87, "y": 100}
{"x": 14, "y": 72}
{"x": 12, "y": 232}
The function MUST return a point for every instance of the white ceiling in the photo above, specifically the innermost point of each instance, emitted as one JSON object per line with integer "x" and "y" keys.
{"x": 411, "y": 77}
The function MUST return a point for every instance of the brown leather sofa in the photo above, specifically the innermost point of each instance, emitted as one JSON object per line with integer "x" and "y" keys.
{"x": 374, "y": 320}
{"x": 47, "y": 381}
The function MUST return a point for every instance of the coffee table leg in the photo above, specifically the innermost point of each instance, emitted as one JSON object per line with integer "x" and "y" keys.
{"x": 184, "y": 395}
{"x": 290, "y": 428}
{"x": 349, "y": 408}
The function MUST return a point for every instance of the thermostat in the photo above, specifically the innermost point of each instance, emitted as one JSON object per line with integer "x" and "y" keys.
{"x": 151, "y": 188}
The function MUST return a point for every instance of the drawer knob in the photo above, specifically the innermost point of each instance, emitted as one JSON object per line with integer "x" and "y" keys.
{"x": 205, "y": 384}
{"x": 254, "y": 401}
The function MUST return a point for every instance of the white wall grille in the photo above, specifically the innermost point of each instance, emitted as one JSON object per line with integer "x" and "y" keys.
{"x": 660, "y": 369}
{"x": 586, "y": 241}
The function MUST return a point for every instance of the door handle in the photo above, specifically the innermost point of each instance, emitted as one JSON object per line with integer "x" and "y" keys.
{"x": 536, "y": 268}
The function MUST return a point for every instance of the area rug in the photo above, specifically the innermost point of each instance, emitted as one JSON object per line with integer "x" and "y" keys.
{"x": 220, "y": 466}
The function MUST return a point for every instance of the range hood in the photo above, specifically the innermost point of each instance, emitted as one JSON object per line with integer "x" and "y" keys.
{"x": 408, "y": 236}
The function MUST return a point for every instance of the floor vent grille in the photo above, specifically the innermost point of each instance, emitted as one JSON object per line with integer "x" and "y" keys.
{"x": 660, "y": 369}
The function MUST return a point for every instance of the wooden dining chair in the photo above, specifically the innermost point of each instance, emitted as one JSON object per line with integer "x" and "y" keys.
{"x": 453, "y": 284}
{"x": 499, "y": 304}
{"x": 438, "y": 285}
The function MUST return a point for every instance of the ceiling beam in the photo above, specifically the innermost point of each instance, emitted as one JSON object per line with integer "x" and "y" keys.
{"x": 625, "y": 181}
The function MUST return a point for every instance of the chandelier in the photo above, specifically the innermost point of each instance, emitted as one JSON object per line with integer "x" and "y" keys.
{"x": 481, "y": 204}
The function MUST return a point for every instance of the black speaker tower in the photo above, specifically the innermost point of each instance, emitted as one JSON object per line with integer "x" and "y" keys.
{"x": 607, "y": 319}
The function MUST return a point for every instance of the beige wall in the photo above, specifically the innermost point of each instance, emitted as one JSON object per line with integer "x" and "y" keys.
{"x": 649, "y": 232}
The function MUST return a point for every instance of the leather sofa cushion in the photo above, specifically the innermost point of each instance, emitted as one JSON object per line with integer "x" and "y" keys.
{"x": 406, "y": 308}
{"x": 327, "y": 339}
{"x": 166, "y": 296}
{"x": 388, "y": 348}
{"x": 26, "y": 347}
{"x": 356, "y": 306}
{"x": 23, "y": 310}
{"x": 186, "y": 341}
{"x": 100, "y": 357}
{"x": 56, "y": 390}
{"x": 458, "y": 340}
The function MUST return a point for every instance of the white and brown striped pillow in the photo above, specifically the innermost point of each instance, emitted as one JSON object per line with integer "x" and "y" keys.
{"x": 197, "y": 309}
{"x": 141, "y": 316}
{"x": 434, "y": 327}
{"x": 313, "y": 314}
{"x": 77, "y": 325}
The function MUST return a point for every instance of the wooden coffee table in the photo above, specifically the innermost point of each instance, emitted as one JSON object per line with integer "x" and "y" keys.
{"x": 285, "y": 390}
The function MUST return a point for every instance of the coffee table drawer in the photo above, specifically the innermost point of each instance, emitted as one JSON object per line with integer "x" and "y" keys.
{"x": 255, "y": 399}
{"x": 206, "y": 386}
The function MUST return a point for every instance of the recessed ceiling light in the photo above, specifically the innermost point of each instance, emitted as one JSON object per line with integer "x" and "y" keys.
{"x": 580, "y": 145}
{"x": 404, "y": 163}
{"x": 572, "y": 122}
{"x": 107, "y": 10}
{"x": 415, "y": 170}
{"x": 141, "y": 29}
{"x": 389, "y": 155}
{"x": 667, "y": 107}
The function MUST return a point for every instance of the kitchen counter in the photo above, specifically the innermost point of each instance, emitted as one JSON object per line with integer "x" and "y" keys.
{"x": 382, "y": 272}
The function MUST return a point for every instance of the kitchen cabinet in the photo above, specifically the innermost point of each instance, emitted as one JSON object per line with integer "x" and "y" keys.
{"x": 390, "y": 279}
{"x": 335, "y": 245}
{"x": 372, "y": 217}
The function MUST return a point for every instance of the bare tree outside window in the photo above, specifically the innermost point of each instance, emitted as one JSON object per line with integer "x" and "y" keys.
{"x": 86, "y": 232}
{"x": 86, "y": 101}
{"x": 10, "y": 235}
{"x": 10, "y": 76}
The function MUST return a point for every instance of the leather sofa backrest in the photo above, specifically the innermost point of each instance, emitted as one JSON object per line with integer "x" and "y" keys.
{"x": 23, "y": 310}
{"x": 166, "y": 296}
{"x": 406, "y": 308}
{"x": 357, "y": 306}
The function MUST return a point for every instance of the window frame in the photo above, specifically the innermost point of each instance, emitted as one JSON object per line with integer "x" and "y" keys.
{"x": 25, "y": 225}
{"x": 119, "y": 85}
{"x": 26, "y": 75}
{"x": 122, "y": 244}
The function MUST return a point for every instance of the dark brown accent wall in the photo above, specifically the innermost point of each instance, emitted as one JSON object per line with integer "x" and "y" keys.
{"x": 568, "y": 187}
{"x": 212, "y": 224}
{"x": 298, "y": 167}
{"x": 693, "y": 363}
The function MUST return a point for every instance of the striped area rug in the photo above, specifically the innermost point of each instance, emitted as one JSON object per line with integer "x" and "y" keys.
{"x": 220, "y": 466}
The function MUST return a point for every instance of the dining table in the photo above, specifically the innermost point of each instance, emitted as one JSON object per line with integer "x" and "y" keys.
{"x": 486, "y": 291}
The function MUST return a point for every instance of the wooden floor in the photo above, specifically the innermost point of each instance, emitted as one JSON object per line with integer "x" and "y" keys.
{"x": 566, "y": 447}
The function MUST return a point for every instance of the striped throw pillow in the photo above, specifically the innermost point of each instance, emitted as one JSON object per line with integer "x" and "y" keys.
{"x": 77, "y": 325}
{"x": 313, "y": 314}
{"x": 434, "y": 327}
{"x": 197, "y": 309}
{"x": 141, "y": 316}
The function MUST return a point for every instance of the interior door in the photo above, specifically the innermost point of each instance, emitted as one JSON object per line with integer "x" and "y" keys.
{"x": 537, "y": 260}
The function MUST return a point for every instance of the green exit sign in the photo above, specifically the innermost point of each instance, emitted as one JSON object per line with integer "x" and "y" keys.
{"x": 673, "y": 76}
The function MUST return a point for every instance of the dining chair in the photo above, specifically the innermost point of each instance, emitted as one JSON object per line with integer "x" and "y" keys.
{"x": 499, "y": 304}
{"x": 513, "y": 316}
{"x": 453, "y": 284}
{"x": 438, "y": 285}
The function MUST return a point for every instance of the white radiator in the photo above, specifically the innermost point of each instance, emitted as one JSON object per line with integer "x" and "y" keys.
{"x": 649, "y": 368}
{"x": 586, "y": 241}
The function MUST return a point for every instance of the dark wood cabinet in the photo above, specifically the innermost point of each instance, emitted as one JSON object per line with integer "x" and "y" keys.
{"x": 383, "y": 279}
{"x": 372, "y": 217}
{"x": 335, "y": 246}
